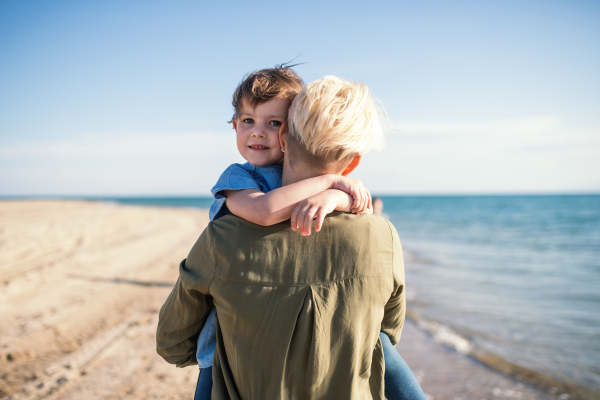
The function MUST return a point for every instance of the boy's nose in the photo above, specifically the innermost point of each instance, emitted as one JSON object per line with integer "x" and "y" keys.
{"x": 259, "y": 131}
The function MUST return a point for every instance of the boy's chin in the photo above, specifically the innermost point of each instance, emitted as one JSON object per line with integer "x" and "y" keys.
{"x": 262, "y": 163}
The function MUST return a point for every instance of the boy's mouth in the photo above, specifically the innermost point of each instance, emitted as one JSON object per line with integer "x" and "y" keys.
{"x": 258, "y": 147}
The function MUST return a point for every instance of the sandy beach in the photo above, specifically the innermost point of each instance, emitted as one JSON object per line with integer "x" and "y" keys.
{"x": 82, "y": 283}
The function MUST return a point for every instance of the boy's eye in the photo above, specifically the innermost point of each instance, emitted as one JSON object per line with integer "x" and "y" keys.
{"x": 248, "y": 120}
{"x": 275, "y": 123}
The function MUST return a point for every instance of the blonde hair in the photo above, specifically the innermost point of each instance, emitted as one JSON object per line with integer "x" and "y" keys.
{"x": 335, "y": 119}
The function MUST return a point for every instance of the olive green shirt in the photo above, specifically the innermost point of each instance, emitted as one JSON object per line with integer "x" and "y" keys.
{"x": 297, "y": 317}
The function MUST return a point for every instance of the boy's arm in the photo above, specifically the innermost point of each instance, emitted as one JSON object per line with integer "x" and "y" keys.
{"x": 277, "y": 205}
{"x": 318, "y": 206}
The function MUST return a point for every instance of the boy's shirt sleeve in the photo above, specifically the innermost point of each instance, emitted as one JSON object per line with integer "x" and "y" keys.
{"x": 235, "y": 177}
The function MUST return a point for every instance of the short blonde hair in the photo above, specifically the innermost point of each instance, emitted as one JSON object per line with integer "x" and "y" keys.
{"x": 335, "y": 119}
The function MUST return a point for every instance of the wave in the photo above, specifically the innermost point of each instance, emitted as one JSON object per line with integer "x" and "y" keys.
{"x": 448, "y": 337}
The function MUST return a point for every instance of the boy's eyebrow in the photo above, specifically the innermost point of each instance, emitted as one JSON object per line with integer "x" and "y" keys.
{"x": 247, "y": 112}
{"x": 277, "y": 116}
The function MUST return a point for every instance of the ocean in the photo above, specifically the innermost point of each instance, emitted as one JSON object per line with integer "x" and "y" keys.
{"x": 515, "y": 277}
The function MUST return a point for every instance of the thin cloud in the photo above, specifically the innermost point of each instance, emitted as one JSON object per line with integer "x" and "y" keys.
{"x": 528, "y": 125}
{"x": 129, "y": 146}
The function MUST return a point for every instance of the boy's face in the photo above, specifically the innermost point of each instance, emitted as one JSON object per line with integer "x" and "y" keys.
{"x": 257, "y": 131}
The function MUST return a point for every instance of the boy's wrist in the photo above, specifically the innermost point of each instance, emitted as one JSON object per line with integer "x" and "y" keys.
{"x": 335, "y": 180}
{"x": 331, "y": 180}
{"x": 343, "y": 200}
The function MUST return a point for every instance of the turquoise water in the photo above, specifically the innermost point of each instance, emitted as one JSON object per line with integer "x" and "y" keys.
{"x": 518, "y": 276}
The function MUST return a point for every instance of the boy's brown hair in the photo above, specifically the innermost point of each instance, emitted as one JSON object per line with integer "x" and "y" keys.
{"x": 261, "y": 86}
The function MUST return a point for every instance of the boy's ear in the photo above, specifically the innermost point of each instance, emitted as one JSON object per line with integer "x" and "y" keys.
{"x": 283, "y": 136}
{"x": 234, "y": 123}
{"x": 353, "y": 164}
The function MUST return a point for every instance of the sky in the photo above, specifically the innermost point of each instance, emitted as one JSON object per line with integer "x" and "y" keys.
{"x": 132, "y": 98}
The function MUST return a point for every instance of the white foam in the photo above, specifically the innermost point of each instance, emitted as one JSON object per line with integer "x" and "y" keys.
{"x": 445, "y": 335}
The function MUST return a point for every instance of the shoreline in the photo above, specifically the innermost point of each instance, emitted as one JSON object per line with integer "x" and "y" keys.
{"x": 84, "y": 280}
{"x": 463, "y": 346}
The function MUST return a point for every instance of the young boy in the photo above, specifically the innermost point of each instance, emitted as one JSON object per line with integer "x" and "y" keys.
{"x": 261, "y": 103}
{"x": 253, "y": 190}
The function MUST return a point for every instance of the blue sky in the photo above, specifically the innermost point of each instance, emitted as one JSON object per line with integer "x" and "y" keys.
{"x": 132, "y": 98}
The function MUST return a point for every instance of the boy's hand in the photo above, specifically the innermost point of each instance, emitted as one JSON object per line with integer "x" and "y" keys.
{"x": 367, "y": 211}
{"x": 355, "y": 188}
{"x": 317, "y": 206}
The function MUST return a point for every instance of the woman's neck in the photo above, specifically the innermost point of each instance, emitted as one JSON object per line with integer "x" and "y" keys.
{"x": 299, "y": 172}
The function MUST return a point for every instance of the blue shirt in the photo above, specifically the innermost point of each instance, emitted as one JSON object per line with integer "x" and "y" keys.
{"x": 235, "y": 177}
{"x": 240, "y": 177}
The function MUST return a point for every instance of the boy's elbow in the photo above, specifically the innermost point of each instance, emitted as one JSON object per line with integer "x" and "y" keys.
{"x": 263, "y": 218}
{"x": 255, "y": 215}
{"x": 259, "y": 213}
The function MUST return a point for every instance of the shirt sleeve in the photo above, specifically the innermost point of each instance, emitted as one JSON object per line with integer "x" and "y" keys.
{"x": 395, "y": 309}
{"x": 188, "y": 306}
{"x": 235, "y": 177}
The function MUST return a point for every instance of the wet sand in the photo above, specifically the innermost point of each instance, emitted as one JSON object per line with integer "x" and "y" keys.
{"x": 82, "y": 283}
{"x": 444, "y": 373}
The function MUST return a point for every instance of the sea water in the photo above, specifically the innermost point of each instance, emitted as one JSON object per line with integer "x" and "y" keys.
{"x": 517, "y": 276}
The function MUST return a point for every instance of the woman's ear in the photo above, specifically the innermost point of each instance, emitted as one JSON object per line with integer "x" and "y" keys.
{"x": 353, "y": 164}
{"x": 283, "y": 136}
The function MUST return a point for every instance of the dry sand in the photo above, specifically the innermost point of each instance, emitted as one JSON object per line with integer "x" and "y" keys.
{"x": 82, "y": 283}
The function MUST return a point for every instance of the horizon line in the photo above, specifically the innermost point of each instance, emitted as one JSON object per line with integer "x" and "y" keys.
{"x": 195, "y": 196}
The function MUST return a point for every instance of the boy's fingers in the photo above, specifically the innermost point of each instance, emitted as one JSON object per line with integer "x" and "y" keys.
{"x": 294, "y": 219}
{"x": 308, "y": 217}
{"x": 301, "y": 225}
{"x": 304, "y": 220}
{"x": 362, "y": 201}
{"x": 365, "y": 199}
{"x": 300, "y": 220}
{"x": 312, "y": 215}
{"x": 355, "y": 197}
{"x": 319, "y": 221}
